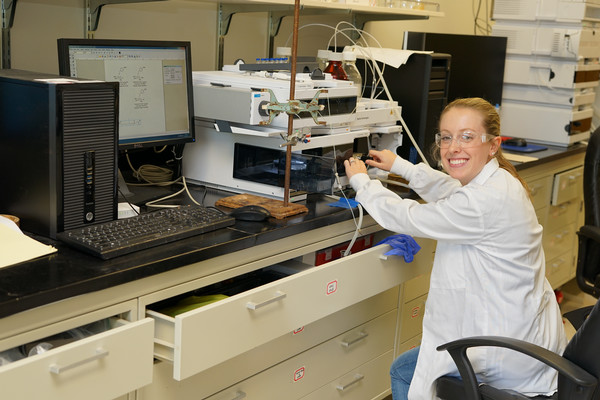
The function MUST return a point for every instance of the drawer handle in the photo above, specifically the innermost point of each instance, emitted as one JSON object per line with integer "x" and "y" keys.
{"x": 239, "y": 395}
{"x": 255, "y": 306}
{"x": 572, "y": 178}
{"x": 357, "y": 378}
{"x": 57, "y": 369}
{"x": 361, "y": 336}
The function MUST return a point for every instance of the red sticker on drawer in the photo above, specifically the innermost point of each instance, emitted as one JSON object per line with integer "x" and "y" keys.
{"x": 297, "y": 331}
{"x": 298, "y": 374}
{"x": 331, "y": 287}
{"x": 415, "y": 312}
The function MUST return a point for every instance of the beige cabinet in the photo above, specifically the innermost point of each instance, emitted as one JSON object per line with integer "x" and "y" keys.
{"x": 557, "y": 195}
{"x": 320, "y": 323}
{"x": 412, "y": 308}
{"x": 104, "y": 364}
{"x": 259, "y": 315}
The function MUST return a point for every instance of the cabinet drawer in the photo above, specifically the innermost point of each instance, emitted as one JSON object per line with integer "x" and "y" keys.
{"x": 369, "y": 381}
{"x": 559, "y": 269}
{"x": 416, "y": 287}
{"x": 567, "y": 186}
{"x": 409, "y": 344}
{"x": 559, "y": 241}
{"x": 103, "y": 366}
{"x": 258, "y": 359}
{"x": 411, "y": 318}
{"x": 202, "y": 338}
{"x": 312, "y": 369}
{"x": 562, "y": 215}
{"x": 540, "y": 191}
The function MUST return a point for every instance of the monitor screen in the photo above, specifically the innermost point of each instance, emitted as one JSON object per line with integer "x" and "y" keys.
{"x": 155, "y": 85}
{"x": 477, "y": 64}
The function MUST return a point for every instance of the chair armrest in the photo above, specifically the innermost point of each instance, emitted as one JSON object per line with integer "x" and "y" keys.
{"x": 590, "y": 232}
{"x": 589, "y": 236}
{"x": 458, "y": 352}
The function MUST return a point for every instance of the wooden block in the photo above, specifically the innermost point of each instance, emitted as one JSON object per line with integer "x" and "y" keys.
{"x": 275, "y": 207}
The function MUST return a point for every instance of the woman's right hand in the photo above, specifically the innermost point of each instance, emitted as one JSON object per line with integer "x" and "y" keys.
{"x": 382, "y": 159}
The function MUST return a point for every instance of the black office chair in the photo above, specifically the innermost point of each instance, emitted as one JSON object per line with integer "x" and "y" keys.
{"x": 588, "y": 260}
{"x": 578, "y": 367}
{"x": 587, "y": 274}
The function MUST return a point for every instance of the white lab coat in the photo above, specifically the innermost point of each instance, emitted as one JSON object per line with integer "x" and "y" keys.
{"x": 488, "y": 275}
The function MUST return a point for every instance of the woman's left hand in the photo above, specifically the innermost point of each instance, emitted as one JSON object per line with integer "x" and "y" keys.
{"x": 354, "y": 166}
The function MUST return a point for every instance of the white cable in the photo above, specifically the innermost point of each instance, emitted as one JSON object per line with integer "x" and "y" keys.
{"x": 358, "y": 224}
{"x": 348, "y": 250}
{"x": 153, "y": 202}
{"x": 184, "y": 189}
{"x": 369, "y": 56}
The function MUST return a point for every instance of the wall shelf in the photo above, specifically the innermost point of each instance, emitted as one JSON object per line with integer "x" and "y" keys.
{"x": 276, "y": 10}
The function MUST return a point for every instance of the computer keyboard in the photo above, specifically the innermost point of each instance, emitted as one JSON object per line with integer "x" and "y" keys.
{"x": 115, "y": 238}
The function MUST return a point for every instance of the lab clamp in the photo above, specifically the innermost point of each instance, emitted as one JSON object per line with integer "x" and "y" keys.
{"x": 294, "y": 107}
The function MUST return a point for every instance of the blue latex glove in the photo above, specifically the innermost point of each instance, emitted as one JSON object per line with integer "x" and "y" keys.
{"x": 402, "y": 245}
{"x": 344, "y": 203}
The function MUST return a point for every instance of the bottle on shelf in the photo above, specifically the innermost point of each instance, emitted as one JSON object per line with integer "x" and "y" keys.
{"x": 335, "y": 67}
{"x": 349, "y": 65}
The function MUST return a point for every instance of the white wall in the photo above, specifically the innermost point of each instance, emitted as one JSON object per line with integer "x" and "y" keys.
{"x": 38, "y": 23}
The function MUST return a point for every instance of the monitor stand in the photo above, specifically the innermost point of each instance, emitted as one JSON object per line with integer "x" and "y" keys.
{"x": 123, "y": 189}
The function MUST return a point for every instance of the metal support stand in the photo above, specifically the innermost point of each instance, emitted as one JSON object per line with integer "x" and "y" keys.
{"x": 8, "y": 17}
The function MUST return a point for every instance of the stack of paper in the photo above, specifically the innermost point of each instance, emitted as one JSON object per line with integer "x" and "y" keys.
{"x": 16, "y": 247}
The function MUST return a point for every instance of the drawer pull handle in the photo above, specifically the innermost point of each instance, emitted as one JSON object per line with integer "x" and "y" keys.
{"x": 255, "y": 306}
{"x": 357, "y": 378}
{"x": 57, "y": 369}
{"x": 361, "y": 336}
{"x": 239, "y": 395}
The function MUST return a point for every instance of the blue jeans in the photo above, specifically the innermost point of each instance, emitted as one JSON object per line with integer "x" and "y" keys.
{"x": 402, "y": 371}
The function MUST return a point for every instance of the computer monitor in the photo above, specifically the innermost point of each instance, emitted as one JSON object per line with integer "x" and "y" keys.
{"x": 155, "y": 85}
{"x": 477, "y": 64}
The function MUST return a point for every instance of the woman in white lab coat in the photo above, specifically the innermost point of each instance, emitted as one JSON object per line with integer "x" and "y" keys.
{"x": 488, "y": 275}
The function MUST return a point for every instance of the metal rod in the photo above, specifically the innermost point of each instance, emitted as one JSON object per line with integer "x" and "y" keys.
{"x": 288, "y": 152}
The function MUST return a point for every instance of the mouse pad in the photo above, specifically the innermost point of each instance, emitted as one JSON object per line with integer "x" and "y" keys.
{"x": 530, "y": 148}
{"x": 275, "y": 207}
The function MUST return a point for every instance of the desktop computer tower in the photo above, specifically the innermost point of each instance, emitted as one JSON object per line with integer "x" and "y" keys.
{"x": 420, "y": 86}
{"x": 58, "y": 151}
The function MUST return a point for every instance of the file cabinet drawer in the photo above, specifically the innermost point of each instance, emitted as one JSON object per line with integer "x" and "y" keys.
{"x": 567, "y": 186}
{"x": 102, "y": 366}
{"x": 416, "y": 287}
{"x": 559, "y": 241}
{"x": 411, "y": 321}
{"x": 540, "y": 191}
{"x": 312, "y": 369}
{"x": 559, "y": 269}
{"x": 258, "y": 359}
{"x": 562, "y": 215}
{"x": 369, "y": 381}
{"x": 409, "y": 344}
{"x": 199, "y": 339}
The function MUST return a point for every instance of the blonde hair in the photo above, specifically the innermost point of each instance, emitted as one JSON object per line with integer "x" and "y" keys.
{"x": 491, "y": 123}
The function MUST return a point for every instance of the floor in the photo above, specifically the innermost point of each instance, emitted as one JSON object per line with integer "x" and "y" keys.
{"x": 573, "y": 298}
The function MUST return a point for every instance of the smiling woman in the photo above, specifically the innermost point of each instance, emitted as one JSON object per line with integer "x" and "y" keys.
{"x": 462, "y": 156}
{"x": 476, "y": 111}
{"x": 488, "y": 275}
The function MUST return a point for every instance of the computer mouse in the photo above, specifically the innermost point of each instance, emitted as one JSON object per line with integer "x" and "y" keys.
{"x": 518, "y": 142}
{"x": 250, "y": 213}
